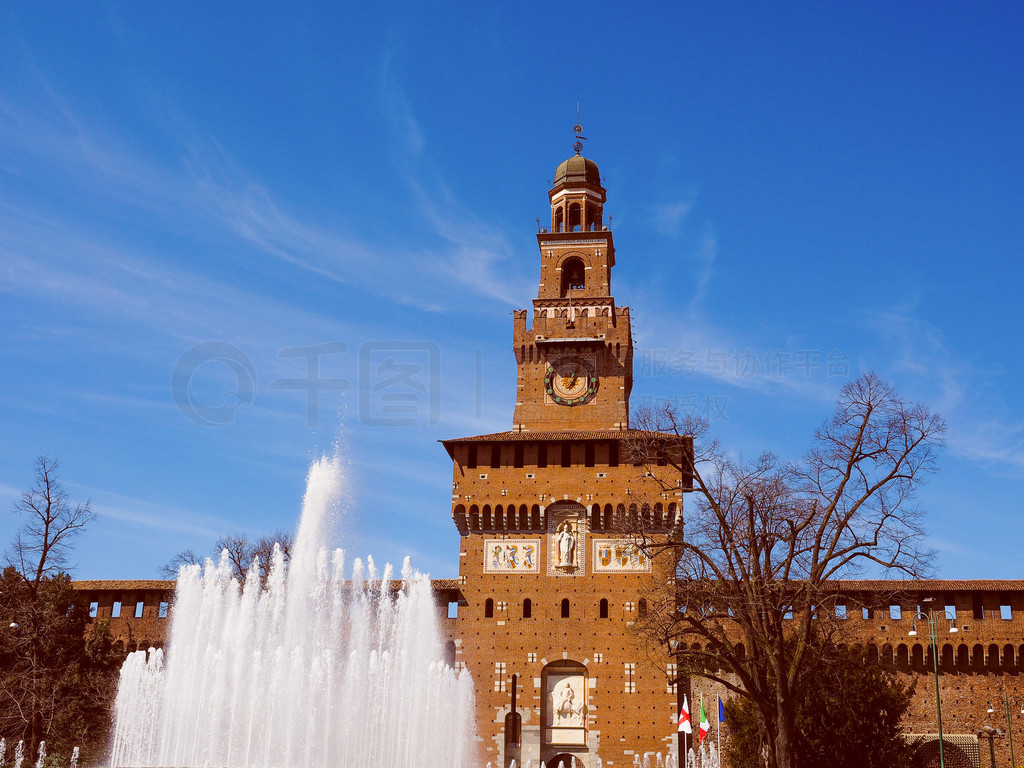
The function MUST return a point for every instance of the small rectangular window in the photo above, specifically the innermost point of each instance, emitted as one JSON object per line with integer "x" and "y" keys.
{"x": 139, "y": 607}
{"x": 94, "y": 608}
{"x": 866, "y": 613}
{"x": 588, "y": 455}
{"x": 495, "y": 456}
{"x": 471, "y": 458}
{"x": 950, "y": 612}
{"x": 670, "y": 673}
{"x": 566, "y": 454}
{"x": 840, "y": 611}
{"x": 1005, "y": 612}
{"x": 979, "y": 609}
{"x": 895, "y": 612}
{"x": 531, "y": 658}
{"x": 788, "y": 613}
{"x": 630, "y": 671}
{"x": 542, "y": 455}
{"x": 517, "y": 456}
{"x": 613, "y": 454}
{"x": 115, "y": 610}
{"x": 162, "y": 613}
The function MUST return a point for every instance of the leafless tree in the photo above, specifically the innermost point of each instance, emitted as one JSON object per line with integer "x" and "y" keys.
{"x": 763, "y": 542}
{"x": 242, "y": 552}
{"x": 49, "y": 524}
{"x": 41, "y": 628}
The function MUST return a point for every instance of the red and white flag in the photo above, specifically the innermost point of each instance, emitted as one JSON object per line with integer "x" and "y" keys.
{"x": 684, "y": 718}
{"x": 705, "y": 725}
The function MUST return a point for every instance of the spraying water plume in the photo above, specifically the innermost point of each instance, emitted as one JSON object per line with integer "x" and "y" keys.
{"x": 309, "y": 671}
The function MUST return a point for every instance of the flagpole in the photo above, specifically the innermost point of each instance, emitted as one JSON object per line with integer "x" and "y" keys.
{"x": 719, "y": 697}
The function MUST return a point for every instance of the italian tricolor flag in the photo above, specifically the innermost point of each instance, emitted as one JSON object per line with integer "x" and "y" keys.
{"x": 705, "y": 726}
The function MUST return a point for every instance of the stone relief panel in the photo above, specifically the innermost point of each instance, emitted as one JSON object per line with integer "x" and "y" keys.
{"x": 566, "y": 707}
{"x": 619, "y": 556}
{"x": 566, "y": 533}
{"x": 512, "y": 556}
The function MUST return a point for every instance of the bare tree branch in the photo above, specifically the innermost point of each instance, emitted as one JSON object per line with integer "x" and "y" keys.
{"x": 49, "y": 524}
{"x": 242, "y": 553}
{"x": 762, "y": 542}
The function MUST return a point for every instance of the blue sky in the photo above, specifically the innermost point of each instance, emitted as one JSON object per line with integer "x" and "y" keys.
{"x": 202, "y": 193}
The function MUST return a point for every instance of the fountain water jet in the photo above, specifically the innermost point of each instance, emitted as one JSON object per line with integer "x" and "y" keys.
{"x": 309, "y": 670}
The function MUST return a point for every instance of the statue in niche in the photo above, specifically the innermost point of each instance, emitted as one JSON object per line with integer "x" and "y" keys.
{"x": 566, "y": 545}
{"x": 567, "y": 710}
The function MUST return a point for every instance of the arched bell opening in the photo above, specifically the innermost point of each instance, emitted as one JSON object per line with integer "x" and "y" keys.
{"x": 573, "y": 276}
{"x": 574, "y": 222}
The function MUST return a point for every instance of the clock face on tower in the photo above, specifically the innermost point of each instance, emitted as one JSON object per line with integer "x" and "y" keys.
{"x": 570, "y": 381}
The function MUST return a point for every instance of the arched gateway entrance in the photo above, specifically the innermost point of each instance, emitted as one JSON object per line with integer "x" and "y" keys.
{"x": 565, "y": 760}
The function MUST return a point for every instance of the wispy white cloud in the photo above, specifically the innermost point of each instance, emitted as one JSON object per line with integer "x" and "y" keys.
{"x": 481, "y": 256}
{"x": 202, "y": 187}
{"x": 146, "y": 514}
{"x": 981, "y": 427}
{"x": 668, "y": 217}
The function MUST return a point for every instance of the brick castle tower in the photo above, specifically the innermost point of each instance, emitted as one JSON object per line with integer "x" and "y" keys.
{"x": 552, "y": 582}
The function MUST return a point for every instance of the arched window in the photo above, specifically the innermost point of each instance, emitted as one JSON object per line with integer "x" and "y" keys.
{"x": 557, "y": 226}
{"x": 489, "y": 609}
{"x": 449, "y": 653}
{"x": 604, "y": 608}
{"x": 565, "y": 607}
{"x": 575, "y": 218}
{"x": 573, "y": 276}
{"x": 527, "y": 608}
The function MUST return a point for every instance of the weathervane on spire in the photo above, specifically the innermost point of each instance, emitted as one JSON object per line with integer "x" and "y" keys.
{"x": 578, "y": 144}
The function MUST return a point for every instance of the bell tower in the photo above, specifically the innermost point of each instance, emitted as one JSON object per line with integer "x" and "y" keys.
{"x": 575, "y": 364}
{"x": 551, "y": 577}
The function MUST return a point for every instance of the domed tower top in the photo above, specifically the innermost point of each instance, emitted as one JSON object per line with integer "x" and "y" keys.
{"x": 578, "y": 170}
{"x": 577, "y": 197}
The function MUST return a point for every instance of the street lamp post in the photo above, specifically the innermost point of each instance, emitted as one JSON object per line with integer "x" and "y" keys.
{"x": 1007, "y": 702}
{"x": 988, "y": 732}
{"x": 933, "y": 634}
